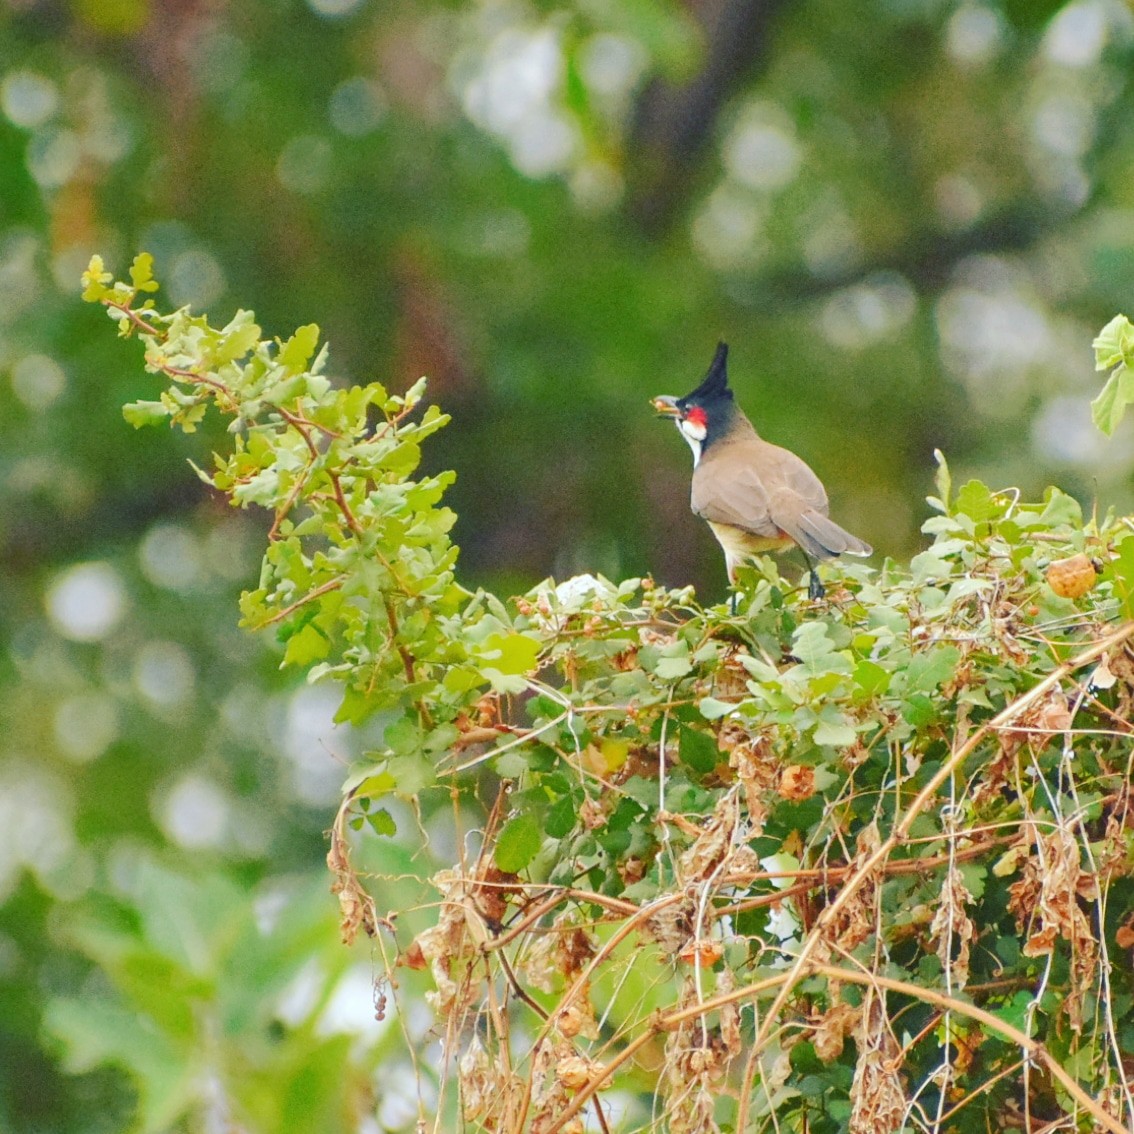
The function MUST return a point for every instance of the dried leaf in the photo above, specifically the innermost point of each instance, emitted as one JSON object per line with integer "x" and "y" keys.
{"x": 797, "y": 782}
{"x": 1072, "y": 577}
{"x": 953, "y": 929}
{"x": 713, "y": 842}
{"x": 832, "y": 1028}
{"x": 878, "y": 1102}
{"x": 356, "y": 906}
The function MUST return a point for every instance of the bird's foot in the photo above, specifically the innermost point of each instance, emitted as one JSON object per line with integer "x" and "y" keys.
{"x": 815, "y": 589}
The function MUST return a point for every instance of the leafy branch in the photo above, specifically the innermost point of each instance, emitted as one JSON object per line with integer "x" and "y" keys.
{"x": 689, "y": 809}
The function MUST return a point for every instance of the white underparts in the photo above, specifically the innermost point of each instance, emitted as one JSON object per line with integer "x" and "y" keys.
{"x": 694, "y": 433}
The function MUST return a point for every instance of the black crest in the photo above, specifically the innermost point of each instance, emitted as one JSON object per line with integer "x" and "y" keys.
{"x": 715, "y": 383}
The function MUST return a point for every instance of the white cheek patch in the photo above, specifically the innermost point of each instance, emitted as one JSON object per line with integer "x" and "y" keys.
{"x": 693, "y": 430}
{"x": 694, "y": 433}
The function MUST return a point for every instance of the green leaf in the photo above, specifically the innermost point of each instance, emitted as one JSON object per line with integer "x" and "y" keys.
{"x": 928, "y": 670}
{"x": 306, "y": 646}
{"x": 142, "y": 273}
{"x": 382, "y": 823}
{"x": 95, "y": 279}
{"x": 561, "y": 818}
{"x": 833, "y": 728}
{"x": 95, "y": 1033}
{"x": 1061, "y": 510}
{"x": 237, "y": 338}
{"x": 817, "y": 653}
{"x": 1114, "y": 344}
{"x": 518, "y": 844}
{"x": 871, "y": 678}
{"x": 296, "y": 353}
{"x": 511, "y": 653}
{"x": 1121, "y": 571}
{"x": 1109, "y": 408}
{"x": 698, "y": 749}
{"x": 712, "y": 709}
{"x": 975, "y": 501}
{"x": 373, "y": 785}
{"x": 139, "y": 414}
{"x": 670, "y": 669}
{"x": 919, "y": 710}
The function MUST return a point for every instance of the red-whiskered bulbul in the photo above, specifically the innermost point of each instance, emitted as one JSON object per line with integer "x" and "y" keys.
{"x": 755, "y": 496}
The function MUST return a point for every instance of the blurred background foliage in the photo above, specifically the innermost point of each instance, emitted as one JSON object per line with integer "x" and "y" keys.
{"x": 907, "y": 217}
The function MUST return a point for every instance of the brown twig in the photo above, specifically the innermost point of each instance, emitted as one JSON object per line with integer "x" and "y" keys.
{"x": 322, "y": 589}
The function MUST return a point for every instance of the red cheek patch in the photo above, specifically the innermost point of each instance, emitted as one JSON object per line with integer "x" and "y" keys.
{"x": 697, "y": 416}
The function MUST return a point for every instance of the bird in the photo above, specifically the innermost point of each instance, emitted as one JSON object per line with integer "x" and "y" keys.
{"x": 755, "y": 496}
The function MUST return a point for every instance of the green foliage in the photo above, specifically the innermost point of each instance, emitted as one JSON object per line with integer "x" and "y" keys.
{"x": 177, "y": 1014}
{"x": 1114, "y": 351}
{"x": 897, "y": 819}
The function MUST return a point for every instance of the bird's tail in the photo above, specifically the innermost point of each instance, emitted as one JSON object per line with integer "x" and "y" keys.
{"x": 822, "y": 538}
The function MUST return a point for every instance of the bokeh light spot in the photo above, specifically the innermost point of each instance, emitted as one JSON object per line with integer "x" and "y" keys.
{"x": 28, "y": 98}
{"x": 170, "y": 556}
{"x": 195, "y": 279}
{"x": 53, "y": 157}
{"x": 85, "y": 725}
{"x": 357, "y": 106}
{"x": 333, "y": 9}
{"x": 1077, "y": 34}
{"x": 38, "y": 381}
{"x": 86, "y": 602}
{"x": 35, "y": 823}
{"x": 304, "y": 164}
{"x": 164, "y": 674}
{"x": 195, "y": 813}
{"x": 974, "y": 34}
{"x": 761, "y": 152}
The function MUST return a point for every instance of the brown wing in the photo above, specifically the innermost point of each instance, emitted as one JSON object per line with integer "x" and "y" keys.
{"x": 759, "y": 487}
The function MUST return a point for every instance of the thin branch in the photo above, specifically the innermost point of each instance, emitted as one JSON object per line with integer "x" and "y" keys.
{"x": 280, "y": 615}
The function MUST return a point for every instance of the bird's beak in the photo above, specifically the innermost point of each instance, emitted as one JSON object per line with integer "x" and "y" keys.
{"x": 666, "y": 406}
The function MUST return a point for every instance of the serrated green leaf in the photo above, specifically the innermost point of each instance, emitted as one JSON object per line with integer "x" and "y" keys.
{"x": 382, "y": 823}
{"x": 297, "y": 351}
{"x": 975, "y": 501}
{"x": 95, "y": 279}
{"x": 142, "y": 272}
{"x": 306, "y": 646}
{"x": 518, "y": 843}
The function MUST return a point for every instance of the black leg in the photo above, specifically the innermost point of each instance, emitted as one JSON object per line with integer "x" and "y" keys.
{"x": 815, "y": 589}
